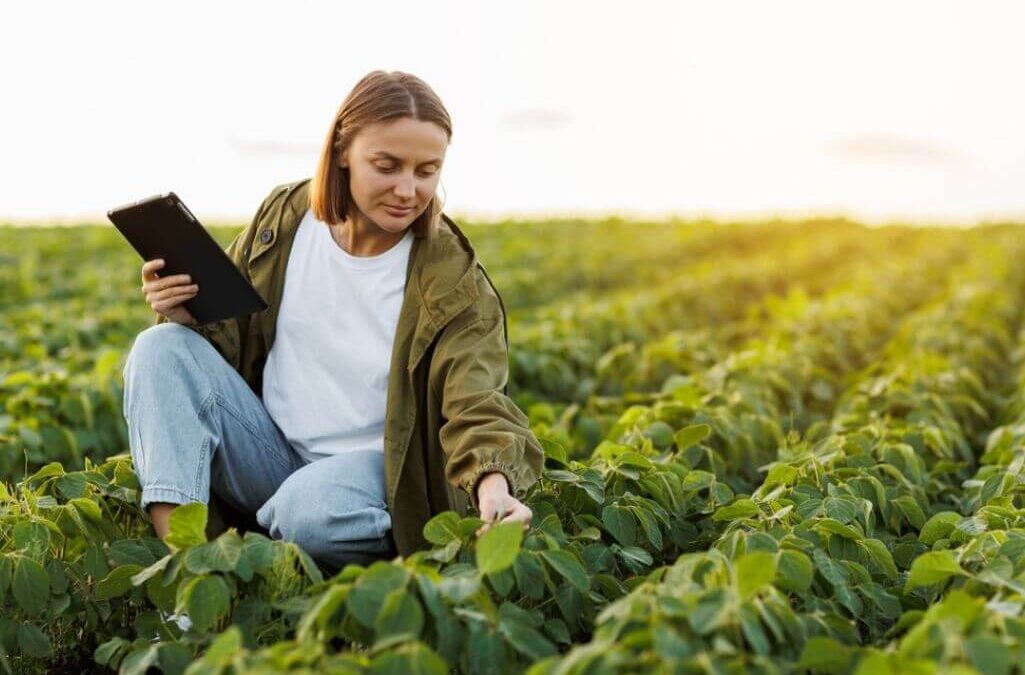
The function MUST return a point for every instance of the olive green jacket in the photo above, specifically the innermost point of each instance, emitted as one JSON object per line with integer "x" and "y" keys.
{"x": 448, "y": 419}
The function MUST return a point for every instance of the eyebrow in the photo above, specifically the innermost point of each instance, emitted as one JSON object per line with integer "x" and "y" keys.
{"x": 382, "y": 153}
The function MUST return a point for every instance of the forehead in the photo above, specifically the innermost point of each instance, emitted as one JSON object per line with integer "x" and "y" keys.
{"x": 404, "y": 138}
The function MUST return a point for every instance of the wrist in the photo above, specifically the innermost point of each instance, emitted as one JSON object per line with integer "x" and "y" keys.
{"x": 492, "y": 482}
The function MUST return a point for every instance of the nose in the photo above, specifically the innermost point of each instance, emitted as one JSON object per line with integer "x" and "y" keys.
{"x": 406, "y": 188}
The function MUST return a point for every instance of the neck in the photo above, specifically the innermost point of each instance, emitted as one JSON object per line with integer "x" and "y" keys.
{"x": 362, "y": 238}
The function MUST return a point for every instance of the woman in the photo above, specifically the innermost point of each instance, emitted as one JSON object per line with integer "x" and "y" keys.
{"x": 370, "y": 395}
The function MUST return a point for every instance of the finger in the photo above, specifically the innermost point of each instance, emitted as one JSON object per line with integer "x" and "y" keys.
{"x": 166, "y": 282}
{"x": 519, "y": 514}
{"x": 171, "y": 292}
{"x": 170, "y": 303}
{"x": 150, "y": 267}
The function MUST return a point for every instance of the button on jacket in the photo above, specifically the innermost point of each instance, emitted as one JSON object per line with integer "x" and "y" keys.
{"x": 449, "y": 419}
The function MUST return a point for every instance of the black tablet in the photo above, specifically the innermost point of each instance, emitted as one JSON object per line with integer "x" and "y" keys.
{"x": 163, "y": 227}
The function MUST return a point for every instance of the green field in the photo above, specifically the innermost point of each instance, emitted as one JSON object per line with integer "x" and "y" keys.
{"x": 771, "y": 447}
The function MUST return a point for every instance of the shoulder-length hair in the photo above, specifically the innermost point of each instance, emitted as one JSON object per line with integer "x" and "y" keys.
{"x": 378, "y": 97}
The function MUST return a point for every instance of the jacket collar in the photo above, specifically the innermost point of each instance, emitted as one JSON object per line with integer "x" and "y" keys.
{"x": 441, "y": 277}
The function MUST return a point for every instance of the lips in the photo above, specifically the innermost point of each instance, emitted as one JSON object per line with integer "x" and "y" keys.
{"x": 398, "y": 210}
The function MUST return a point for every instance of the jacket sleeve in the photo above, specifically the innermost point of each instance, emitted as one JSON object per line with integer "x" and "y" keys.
{"x": 483, "y": 430}
{"x": 225, "y": 335}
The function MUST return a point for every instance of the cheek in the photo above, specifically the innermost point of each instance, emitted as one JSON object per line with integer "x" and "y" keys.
{"x": 427, "y": 188}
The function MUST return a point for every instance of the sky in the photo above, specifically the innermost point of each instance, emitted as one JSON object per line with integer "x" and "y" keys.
{"x": 879, "y": 111}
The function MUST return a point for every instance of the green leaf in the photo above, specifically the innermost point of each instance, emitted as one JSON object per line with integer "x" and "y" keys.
{"x": 794, "y": 571}
{"x": 989, "y": 655}
{"x": 401, "y": 619}
{"x": 649, "y": 525}
{"x": 373, "y": 586}
{"x": 525, "y": 639}
{"x": 139, "y": 661}
{"x": 33, "y": 642}
{"x": 31, "y": 586}
{"x": 567, "y": 565}
{"x": 530, "y": 575}
{"x": 187, "y": 525}
{"x": 933, "y": 567}
{"x": 635, "y": 558}
{"x": 754, "y": 571}
{"x": 835, "y": 573}
{"x": 6, "y": 573}
{"x": 843, "y": 510}
{"x": 151, "y": 571}
{"x": 620, "y": 524}
{"x": 442, "y": 528}
{"x": 911, "y": 510}
{"x": 710, "y": 612}
{"x": 220, "y": 555}
{"x": 753, "y": 631}
{"x": 498, "y": 547}
{"x": 487, "y": 653}
{"x": 258, "y": 552}
{"x": 207, "y": 599}
{"x": 742, "y": 508}
{"x": 691, "y": 435}
{"x": 411, "y": 659}
{"x": 881, "y": 556}
{"x": 837, "y": 528}
{"x": 110, "y": 652}
{"x": 31, "y": 537}
{"x": 130, "y": 552}
{"x": 225, "y": 646}
{"x": 174, "y": 657}
{"x": 823, "y": 654}
{"x": 117, "y": 583}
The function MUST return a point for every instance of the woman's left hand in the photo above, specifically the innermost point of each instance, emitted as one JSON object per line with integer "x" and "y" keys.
{"x": 497, "y": 505}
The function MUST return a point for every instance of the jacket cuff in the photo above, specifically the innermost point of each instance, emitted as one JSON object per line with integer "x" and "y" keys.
{"x": 209, "y": 328}
{"x": 518, "y": 483}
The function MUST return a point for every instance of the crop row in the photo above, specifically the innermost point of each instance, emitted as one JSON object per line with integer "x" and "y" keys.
{"x": 567, "y": 352}
{"x": 844, "y": 545}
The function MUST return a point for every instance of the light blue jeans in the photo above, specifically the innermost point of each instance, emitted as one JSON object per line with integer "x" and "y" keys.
{"x": 194, "y": 425}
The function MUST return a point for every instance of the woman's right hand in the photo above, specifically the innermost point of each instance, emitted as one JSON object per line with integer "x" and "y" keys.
{"x": 166, "y": 295}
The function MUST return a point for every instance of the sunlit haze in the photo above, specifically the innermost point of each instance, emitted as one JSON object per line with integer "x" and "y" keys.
{"x": 874, "y": 110}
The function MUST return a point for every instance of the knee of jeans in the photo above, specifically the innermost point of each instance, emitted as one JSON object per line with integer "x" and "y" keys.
{"x": 162, "y": 341}
{"x": 322, "y": 534}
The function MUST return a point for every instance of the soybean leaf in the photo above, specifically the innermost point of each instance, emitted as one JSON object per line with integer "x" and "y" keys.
{"x": 498, "y": 547}
{"x": 691, "y": 435}
{"x": 754, "y": 571}
{"x": 117, "y": 583}
{"x": 207, "y": 599}
{"x": 567, "y": 565}
{"x": 530, "y": 575}
{"x": 401, "y": 618}
{"x": 881, "y": 556}
{"x": 31, "y": 586}
{"x": 187, "y": 525}
{"x": 415, "y": 658}
{"x": 933, "y": 567}
{"x": 794, "y": 571}
{"x": 33, "y": 642}
{"x": 220, "y": 555}
{"x": 442, "y": 528}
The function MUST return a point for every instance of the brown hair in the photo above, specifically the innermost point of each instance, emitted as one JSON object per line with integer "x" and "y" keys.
{"x": 378, "y": 97}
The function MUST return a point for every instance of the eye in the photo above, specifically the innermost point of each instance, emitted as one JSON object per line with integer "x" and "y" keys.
{"x": 385, "y": 169}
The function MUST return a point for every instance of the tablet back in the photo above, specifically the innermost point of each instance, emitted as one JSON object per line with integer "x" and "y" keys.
{"x": 163, "y": 227}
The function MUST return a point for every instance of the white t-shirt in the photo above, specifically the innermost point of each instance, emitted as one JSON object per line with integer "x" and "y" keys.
{"x": 325, "y": 382}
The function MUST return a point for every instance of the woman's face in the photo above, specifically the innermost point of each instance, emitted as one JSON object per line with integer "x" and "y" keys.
{"x": 395, "y": 164}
